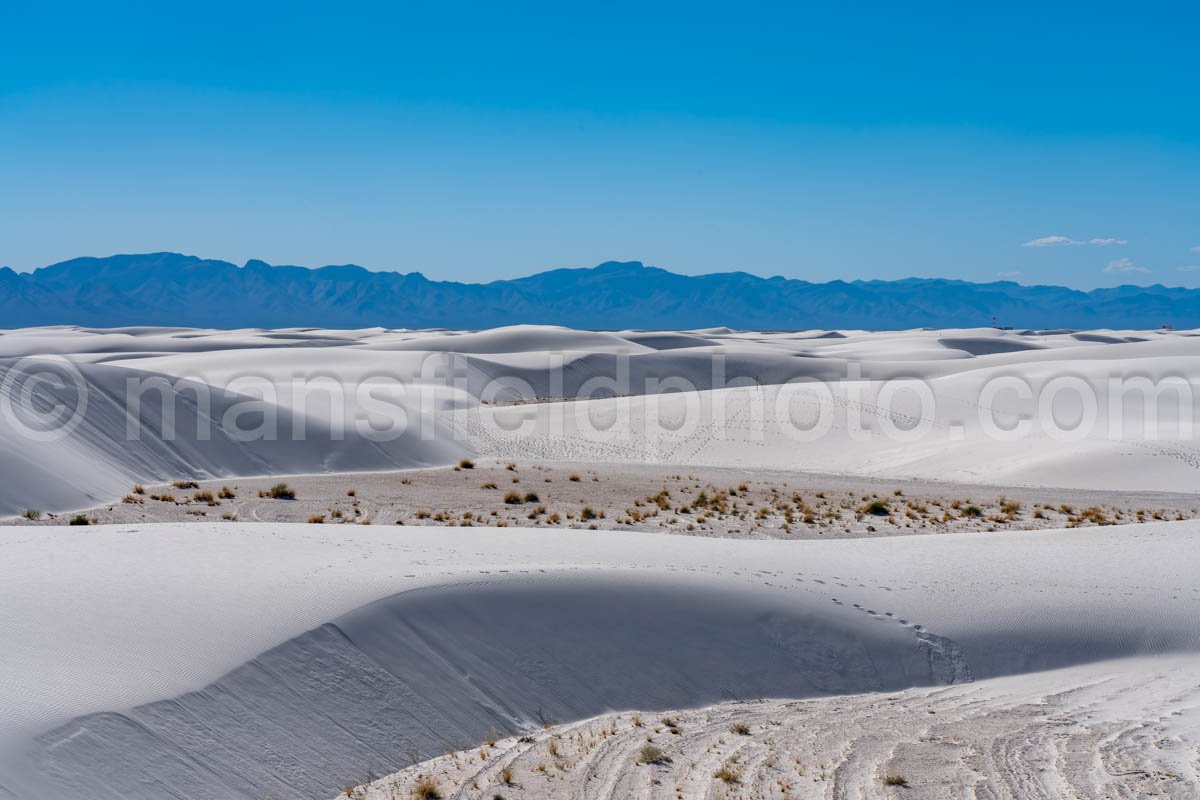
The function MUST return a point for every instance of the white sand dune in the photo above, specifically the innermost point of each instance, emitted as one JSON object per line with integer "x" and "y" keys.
{"x": 1115, "y": 729}
{"x": 253, "y": 660}
{"x": 436, "y": 379}
{"x": 99, "y": 460}
{"x": 260, "y": 660}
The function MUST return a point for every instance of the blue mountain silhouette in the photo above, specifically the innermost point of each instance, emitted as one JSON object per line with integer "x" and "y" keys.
{"x": 180, "y": 290}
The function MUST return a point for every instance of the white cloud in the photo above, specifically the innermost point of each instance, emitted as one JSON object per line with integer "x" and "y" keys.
{"x": 1189, "y": 268}
{"x": 1051, "y": 241}
{"x": 1196, "y": 249}
{"x": 1010, "y": 274}
{"x": 1067, "y": 241}
{"x": 1124, "y": 265}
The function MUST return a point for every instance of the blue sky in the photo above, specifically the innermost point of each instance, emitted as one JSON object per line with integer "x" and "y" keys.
{"x": 474, "y": 141}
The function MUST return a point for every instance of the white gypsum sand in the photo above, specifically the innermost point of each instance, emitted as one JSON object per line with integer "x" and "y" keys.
{"x": 453, "y": 392}
{"x": 1123, "y": 728}
{"x": 219, "y": 659}
{"x": 508, "y": 623}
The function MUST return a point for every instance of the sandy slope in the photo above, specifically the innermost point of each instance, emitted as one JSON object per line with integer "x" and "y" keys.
{"x": 102, "y": 625}
{"x": 99, "y": 460}
{"x": 1126, "y": 728}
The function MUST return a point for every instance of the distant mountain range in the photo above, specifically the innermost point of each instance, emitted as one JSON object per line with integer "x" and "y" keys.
{"x": 178, "y": 290}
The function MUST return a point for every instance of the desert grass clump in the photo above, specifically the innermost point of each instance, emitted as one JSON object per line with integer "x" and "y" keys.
{"x": 740, "y": 728}
{"x": 31, "y": 514}
{"x": 226, "y": 493}
{"x": 489, "y": 485}
{"x": 186, "y": 485}
{"x": 139, "y": 489}
{"x": 280, "y": 491}
{"x": 506, "y": 775}
{"x": 728, "y": 773}
{"x": 466, "y": 463}
{"x": 316, "y": 519}
{"x": 649, "y": 754}
{"x": 878, "y": 508}
{"x": 426, "y": 789}
{"x": 574, "y": 478}
{"x": 513, "y": 498}
{"x": 531, "y": 497}
{"x": 893, "y": 779}
{"x": 206, "y": 498}
{"x": 132, "y": 499}
{"x": 79, "y": 519}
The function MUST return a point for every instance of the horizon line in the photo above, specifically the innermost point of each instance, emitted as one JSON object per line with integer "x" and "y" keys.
{"x": 642, "y": 264}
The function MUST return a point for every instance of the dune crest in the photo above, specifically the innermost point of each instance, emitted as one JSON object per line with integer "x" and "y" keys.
{"x": 378, "y": 647}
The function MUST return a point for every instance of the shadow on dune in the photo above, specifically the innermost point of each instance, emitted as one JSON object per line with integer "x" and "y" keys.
{"x": 134, "y": 426}
{"x": 982, "y": 346}
{"x": 408, "y": 677}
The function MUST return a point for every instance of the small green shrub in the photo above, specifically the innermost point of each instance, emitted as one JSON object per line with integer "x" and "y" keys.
{"x": 651, "y": 755}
